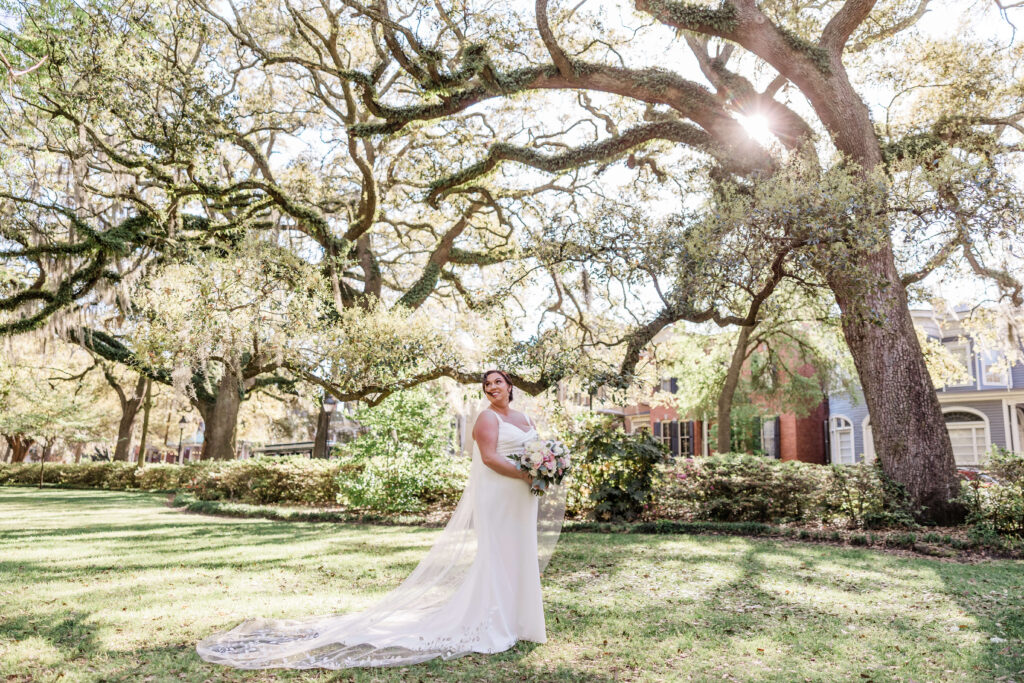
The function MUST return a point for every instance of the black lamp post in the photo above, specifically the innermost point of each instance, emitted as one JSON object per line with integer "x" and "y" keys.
{"x": 181, "y": 430}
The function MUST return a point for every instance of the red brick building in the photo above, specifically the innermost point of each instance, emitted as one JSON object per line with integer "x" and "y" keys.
{"x": 785, "y": 436}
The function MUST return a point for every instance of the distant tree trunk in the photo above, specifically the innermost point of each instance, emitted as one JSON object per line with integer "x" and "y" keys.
{"x": 20, "y": 446}
{"x": 7, "y": 451}
{"x": 323, "y": 422}
{"x": 146, "y": 406}
{"x": 221, "y": 417}
{"x": 129, "y": 410}
{"x": 79, "y": 447}
{"x": 47, "y": 447}
{"x": 728, "y": 393}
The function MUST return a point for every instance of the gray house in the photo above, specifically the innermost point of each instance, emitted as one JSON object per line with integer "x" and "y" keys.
{"x": 986, "y": 409}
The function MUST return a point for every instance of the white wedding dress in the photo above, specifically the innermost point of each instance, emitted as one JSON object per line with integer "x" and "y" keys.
{"x": 477, "y": 590}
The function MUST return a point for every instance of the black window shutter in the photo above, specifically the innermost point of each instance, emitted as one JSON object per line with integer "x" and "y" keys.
{"x": 778, "y": 440}
{"x": 828, "y": 443}
{"x": 674, "y": 385}
{"x": 673, "y": 434}
{"x": 692, "y": 427}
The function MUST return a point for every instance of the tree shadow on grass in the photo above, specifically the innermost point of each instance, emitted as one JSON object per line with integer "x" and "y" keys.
{"x": 89, "y": 499}
{"x": 995, "y": 600}
{"x": 181, "y": 663}
{"x": 816, "y": 635}
{"x": 68, "y": 632}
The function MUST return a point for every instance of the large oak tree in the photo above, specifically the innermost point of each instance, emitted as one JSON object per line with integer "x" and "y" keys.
{"x": 791, "y": 67}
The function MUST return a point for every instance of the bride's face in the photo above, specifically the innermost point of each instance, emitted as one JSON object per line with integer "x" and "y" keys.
{"x": 497, "y": 389}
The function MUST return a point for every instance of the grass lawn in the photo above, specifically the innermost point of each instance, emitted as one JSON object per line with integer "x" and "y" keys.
{"x": 118, "y": 587}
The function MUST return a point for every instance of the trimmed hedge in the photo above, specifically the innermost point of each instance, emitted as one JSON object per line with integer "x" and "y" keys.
{"x": 262, "y": 481}
{"x": 256, "y": 481}
{"x": 86, "y": 475}
{"x": 736, "y": 487}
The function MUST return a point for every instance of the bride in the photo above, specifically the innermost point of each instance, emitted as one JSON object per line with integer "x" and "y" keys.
{"x": 477, "y": 589}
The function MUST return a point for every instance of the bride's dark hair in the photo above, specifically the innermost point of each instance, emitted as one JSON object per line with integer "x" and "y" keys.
{"x": 504, "y": 376}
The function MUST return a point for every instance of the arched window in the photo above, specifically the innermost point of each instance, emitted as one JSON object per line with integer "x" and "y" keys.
{"x": 841, "y": 440}
{"x": 968, "y": 432}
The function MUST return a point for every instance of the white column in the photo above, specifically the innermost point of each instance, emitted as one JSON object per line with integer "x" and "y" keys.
{"x": 1015, "y": 445}
{"x": 1008, "y": 435}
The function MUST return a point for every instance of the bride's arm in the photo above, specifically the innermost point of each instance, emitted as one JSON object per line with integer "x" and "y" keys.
{"x": 485, "y": 433}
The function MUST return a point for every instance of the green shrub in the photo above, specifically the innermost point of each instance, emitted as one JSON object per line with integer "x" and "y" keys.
{"x": 413, "y": 423}
{"x": 994, "y": 507}
{"x": 401, "y": 483}
{"x": 262, "y": 481}
{"x": 87, "y": 475}
{"x": 23, "y": 474}
{"x": 1006, "y": 466}
{"x": 737, "y": 487}
{"x": 613, "y": 472}
{"x": 866, "y": 498}
{"x": 159, "y": 477}
{"x": 403, "y": 462}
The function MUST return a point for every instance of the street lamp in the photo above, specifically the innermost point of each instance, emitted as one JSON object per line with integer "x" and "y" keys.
{"x": 330, "y": 404}
{"x": 181, "y": 430}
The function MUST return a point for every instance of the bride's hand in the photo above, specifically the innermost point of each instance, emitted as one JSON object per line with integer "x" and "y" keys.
{"x": 526, "y": 476}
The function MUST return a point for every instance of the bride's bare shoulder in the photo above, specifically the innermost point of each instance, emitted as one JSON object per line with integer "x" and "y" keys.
{"x": 485, "y": 421}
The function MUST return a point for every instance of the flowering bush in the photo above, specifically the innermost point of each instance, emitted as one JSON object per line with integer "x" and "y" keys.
{"x": 1006, "y": 466}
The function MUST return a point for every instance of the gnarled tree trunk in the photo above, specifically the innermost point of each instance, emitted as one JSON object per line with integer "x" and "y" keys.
{"x": 221, "y": 417}
{"x": 129, "y": 409}
{"x": 909, "y": 432}
{"x": 323, "y": 423}
{"x": 20, "y": 446}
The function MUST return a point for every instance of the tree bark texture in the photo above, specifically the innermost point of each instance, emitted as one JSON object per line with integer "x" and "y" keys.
{"x": 909, "y": 431}
{"x": 146, "y": 406}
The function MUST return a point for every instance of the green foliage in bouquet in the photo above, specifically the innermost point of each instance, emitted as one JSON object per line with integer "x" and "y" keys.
{"x": 404, "y": 461}
{"x": 614, "y": 472}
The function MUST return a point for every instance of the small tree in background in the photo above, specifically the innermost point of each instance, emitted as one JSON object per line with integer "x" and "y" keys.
{"x": 405, "y": 459}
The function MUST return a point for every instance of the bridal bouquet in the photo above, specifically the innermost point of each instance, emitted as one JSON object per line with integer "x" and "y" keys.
{"x": 547, "y": 460}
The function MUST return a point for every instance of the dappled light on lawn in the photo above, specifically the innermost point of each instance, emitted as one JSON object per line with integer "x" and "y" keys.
{"x": 118, "y": 586}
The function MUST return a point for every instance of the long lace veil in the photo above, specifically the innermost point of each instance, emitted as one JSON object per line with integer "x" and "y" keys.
{"x": 379, "y": 635}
